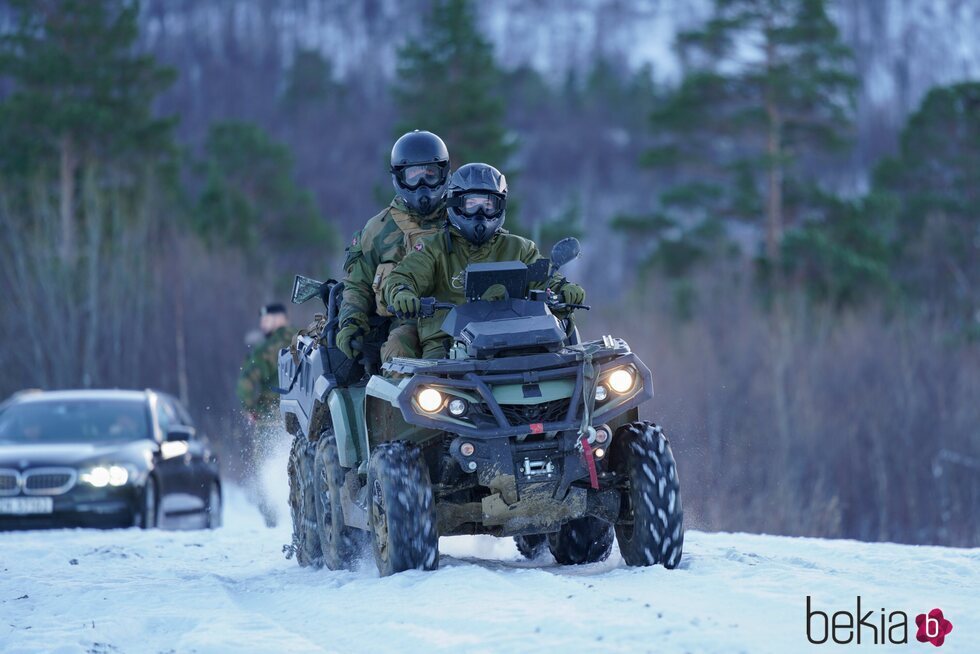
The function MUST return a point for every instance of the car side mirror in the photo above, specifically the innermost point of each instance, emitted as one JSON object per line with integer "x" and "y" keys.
{"x": 179, "y": 433}
{"x": 565, "y": 250}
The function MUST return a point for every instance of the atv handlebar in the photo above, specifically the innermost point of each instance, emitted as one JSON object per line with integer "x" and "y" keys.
{"x": 565, "y": 305}
{"x": 430, "y": 305}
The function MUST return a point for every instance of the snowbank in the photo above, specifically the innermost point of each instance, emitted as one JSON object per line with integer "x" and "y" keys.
{"x": 232, "y": 591}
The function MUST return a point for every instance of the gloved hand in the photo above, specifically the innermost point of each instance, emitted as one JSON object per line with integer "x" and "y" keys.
{"x": 406, "y": 304}
{"x": 348, "y": 333}
{"x": 572, "y": 294}
{"x": 495, "y": 292}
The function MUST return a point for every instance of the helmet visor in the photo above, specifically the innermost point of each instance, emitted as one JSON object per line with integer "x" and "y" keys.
{"x": 412, "y": 177}
{"x": 471, "y": 204}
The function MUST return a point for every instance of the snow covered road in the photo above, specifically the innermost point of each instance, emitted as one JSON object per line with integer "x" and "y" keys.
{"x": 232, "y": 591}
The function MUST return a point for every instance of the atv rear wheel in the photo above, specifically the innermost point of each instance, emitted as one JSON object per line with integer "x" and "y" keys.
{"x": 302, "y": 505}
{"x": 402, "y": 514}
{"x": 531, "y": 545}
{"x": 584, "y": 540}
{"x": 339, "y": 543}
{"x": 650, "y": 528}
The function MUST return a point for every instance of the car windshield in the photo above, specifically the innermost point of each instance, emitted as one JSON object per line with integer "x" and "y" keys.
{"x": 74, "y": 421}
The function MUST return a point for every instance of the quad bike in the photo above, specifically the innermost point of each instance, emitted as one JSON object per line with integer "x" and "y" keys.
{"x": 522, "y": 431}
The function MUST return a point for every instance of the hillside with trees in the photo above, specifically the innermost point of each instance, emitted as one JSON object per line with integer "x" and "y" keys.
{"x": 778, "y": 203}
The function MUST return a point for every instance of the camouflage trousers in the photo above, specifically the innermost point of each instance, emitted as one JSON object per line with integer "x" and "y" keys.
{"x": 436, "y": 348}
{"x": 403, "y": 341}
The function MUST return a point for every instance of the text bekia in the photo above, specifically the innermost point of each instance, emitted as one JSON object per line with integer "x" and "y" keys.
{"x": 843, "y": 627}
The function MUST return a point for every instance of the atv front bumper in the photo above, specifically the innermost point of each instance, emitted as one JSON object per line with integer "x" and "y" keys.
{"x": 489, "y": 418}
{"x": 534, "y": 485}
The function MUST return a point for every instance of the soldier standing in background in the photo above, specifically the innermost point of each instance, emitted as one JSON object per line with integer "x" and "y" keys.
{"x": 419, "y": 173}
{"x": 256, "y": 384}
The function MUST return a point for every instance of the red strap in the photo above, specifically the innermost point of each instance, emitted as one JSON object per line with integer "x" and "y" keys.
{"x": 590, "y": 462}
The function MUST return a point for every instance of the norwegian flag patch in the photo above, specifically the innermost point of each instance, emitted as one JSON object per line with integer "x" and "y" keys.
{"x": 418, "y": 246}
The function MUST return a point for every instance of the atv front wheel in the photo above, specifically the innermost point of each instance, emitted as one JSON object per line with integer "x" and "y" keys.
{"x": 531, "y": 545}
{"x": 339, "y": 543}
{"x": 302, "y": 504}
{"x": 650, "y": 528}
{"x": 585, "y": 540}
{"x": 402, "y": 514}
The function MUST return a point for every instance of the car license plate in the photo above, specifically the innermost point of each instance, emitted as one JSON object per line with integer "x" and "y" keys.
{"x": 25, "y": 505}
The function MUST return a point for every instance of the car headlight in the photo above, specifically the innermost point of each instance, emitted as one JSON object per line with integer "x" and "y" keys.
{"x": 429, "y": 400}
{"x": 621, "y": 380}
{"x": 601, "y": 393}
{"x": 102, "y": 476}
{"x": 118, "y": 475}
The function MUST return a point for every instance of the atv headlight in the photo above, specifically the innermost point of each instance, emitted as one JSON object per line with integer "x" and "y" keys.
{"x": 621, "y": 380}
{"x": 429, "y": 400}
{"x": 457, "y": 407}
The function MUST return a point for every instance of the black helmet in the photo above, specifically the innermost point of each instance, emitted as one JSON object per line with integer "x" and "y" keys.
{"x": 477, "y": 201}
{"x": 419, "y": 170}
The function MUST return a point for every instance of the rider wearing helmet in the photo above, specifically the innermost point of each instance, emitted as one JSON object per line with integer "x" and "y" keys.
{"x": 476, "y": 203}
{"x": 419, "y": 173}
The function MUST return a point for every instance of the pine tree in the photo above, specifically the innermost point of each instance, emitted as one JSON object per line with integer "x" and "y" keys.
{"x": 309, "y": 81}
{"x": 845, "y": 257}
{"x": 449, "y": 83}
{"x": 767, "y": 88}
{"x": 81, "y": 94}
{"x": 251, "y": 199}
{"x": 933, "y": 189}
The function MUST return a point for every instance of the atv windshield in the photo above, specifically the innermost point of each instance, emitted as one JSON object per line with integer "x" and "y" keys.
{"x": 74, "y": 421}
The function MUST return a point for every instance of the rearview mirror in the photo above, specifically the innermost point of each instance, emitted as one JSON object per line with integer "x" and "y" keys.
{"x": 564, "y": 251}
{"x": 305, "y": 288}
{"x": 179, "y": 433}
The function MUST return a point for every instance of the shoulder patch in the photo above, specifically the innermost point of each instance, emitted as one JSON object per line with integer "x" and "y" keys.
{"x": 353, "y": 252}
{"x": 419, "y": 246}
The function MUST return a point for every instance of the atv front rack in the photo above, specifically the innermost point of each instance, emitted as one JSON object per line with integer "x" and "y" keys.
{"x": 529, "y": 363}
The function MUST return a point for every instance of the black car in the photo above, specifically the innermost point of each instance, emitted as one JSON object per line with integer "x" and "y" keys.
{"x": 104, "y": 458}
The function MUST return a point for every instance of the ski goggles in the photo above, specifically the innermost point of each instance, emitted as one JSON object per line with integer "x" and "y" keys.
{"x": 471, "y": 204}
{"x": 414, "y": 176}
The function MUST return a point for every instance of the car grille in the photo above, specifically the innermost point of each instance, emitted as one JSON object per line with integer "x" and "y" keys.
{"x": 9, "y": 484}
{"x": 526, "y": 414}
{"x": 48, "y": 481}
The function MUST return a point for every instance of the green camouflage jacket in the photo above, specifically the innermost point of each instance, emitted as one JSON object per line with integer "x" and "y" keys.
{"x": 260, "y": 374}
{"x": 373, "y": 254}
{"x": 436, "y": 269}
